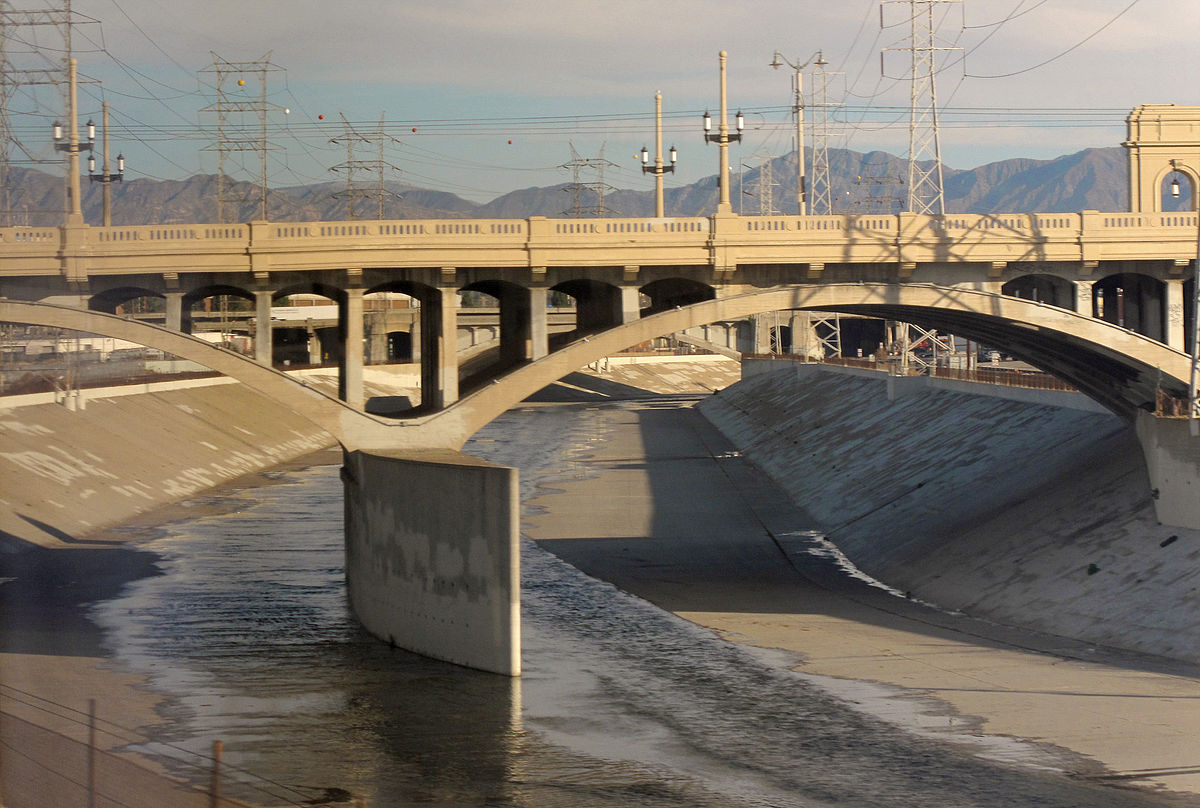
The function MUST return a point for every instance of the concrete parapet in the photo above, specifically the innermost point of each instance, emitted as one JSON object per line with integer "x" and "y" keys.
{"x": 432, "y": 556}
{"x": 1173, "y": 462}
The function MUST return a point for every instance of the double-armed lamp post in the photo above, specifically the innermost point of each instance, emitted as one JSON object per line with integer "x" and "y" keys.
{"x": 658, "y": 169}
{"x": 777, "y": 62}
{"x": 723, "y": 137}
{"x": 69, "y": 142}
{"x": 104, "y": 177}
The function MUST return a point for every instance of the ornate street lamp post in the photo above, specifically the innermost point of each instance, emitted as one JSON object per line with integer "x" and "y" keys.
{"x": 723, "y": 138}
{"x": 658, "y": 169}
{"x": 777, "y": 62}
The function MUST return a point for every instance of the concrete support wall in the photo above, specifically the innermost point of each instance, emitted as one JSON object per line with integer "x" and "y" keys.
{"x": 1173, "y": 462}
{"x": 432, "y": 555}
{"x": 262, "y": 328}
{"x": 439, "y": 348}
{"x": 539, "y": 323}
{"x": 351, "y": 377}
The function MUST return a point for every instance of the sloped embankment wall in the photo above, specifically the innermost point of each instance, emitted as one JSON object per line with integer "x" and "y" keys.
{"x": 64, "y": 473}
{"x": 1025, "y": 513}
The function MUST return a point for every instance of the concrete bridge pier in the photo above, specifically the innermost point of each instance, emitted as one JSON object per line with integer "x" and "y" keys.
{"x": 350, "y": 365}
{"x": 263, "y": 338}
{"x": 439, "y": 348}
{"x": 1172, "y": 455}
{"x": 432, "y": 554}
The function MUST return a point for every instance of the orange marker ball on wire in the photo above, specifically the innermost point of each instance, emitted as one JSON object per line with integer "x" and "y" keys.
{"x": 320, "y": 117}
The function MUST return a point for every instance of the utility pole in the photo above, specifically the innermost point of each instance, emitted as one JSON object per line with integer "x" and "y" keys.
{"x": 241, "y": 120}
{"x": 926, "y": 192}
{"x": 376, "y": 168}
{"x": 658, "y": 169}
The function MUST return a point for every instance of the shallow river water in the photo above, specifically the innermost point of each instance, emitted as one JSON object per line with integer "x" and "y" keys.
{"x": 248, "y": 636}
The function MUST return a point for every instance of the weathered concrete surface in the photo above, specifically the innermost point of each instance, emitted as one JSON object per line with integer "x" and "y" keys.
{"x": 664, "y": 507}
{"x": 64, "y": 474}
{"x": 1172, "y": 458}
{"x": 432, "y": 561}
{"x": 1028, "y": 514}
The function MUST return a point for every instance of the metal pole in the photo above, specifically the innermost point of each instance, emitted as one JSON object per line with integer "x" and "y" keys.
{"x": 107, "y": 176}
{"x": 659, "y": 206}
{"x": 723, "y": 143}
{"x": 214, "y": 799}
{"x": 91, "y": 753}
{"x": 801, "y": 190}
{"x": 1193, "y": 403}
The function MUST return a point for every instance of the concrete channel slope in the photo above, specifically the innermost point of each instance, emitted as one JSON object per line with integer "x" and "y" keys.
{"x": 65, "y": 473}
{"x": 1034, "y": 512}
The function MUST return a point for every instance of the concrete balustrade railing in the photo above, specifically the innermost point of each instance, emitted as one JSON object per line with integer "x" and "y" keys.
{"x": 908, "y": 239}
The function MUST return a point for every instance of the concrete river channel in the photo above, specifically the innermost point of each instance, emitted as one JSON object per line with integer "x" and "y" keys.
{"x": 246, "y": 636}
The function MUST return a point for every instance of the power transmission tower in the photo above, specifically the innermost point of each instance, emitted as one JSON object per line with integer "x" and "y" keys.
{"x": 926, "y": 192}
{"x": 877, "y": 192}
{"x": 24, "y": 64}
{"x": 821, "y": 196}
{"x": 766, "y": 187}
{"x": 376, "y": 169}
{"x": 241, "y": 109}
{"x": 582, "y": 191}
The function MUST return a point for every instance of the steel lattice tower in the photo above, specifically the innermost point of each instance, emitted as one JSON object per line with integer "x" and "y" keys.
{"x": 766, "y": 186}
{"x": 12, "y": 76}
{"x": 241, "y": 120}
{"x": 926, "y": 192}
{"x": 579, "y": 209}
{"x": 376, "y": 169}
{"x": 820, "y": 193}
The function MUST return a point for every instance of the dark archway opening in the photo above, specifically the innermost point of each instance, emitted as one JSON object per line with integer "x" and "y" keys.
{"x": 1049, "y": 289}
{"x": 1129, "y": 300}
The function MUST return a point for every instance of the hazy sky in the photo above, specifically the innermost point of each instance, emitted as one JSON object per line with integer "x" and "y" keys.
{"x": 472, "y": 75}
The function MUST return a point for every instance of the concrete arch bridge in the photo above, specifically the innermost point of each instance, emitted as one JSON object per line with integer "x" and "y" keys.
{"x": 1099, "y": 299}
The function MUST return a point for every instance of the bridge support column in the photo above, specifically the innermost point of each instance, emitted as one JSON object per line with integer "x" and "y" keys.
{"x": 631, "y": 308}
{"x": 263, "y": 337}
{"x": 539, "y": 328}
{"x": 174, "y": 310}
{"x": 433, "y": 557}
{"x": 1174, "y": 309}
{"x": 1083, "y": 299}
{"x": 350, "y": 375}
{"x": 439, "y": 348}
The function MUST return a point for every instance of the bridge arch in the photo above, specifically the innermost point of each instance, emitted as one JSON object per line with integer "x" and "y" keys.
{"x": 669, "y": 293}
{"x": 1052, "y": 290}
{"x": 1132, "y": 300}
{"x": 110, "y": 300}
{"x": 598, "y": 305}
{"x": 1118, "y": 367}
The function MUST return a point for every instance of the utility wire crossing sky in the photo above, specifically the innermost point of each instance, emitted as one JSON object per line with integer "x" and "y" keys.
{"x": 480, "y": 98}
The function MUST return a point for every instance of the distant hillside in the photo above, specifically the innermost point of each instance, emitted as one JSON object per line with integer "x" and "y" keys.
{"x": 1094, "y": 179}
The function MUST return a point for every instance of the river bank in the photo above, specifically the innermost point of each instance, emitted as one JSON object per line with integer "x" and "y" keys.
{"x": 627, "y": 505}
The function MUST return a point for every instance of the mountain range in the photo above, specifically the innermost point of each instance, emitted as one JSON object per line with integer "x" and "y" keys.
{"x": 874, "y": 182}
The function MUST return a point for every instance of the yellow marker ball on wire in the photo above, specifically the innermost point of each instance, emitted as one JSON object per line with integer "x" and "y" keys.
{"x": 241, "y": 82}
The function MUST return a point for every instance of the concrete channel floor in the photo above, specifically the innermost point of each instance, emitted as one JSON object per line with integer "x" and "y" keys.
{"x": 665, "y": 508}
